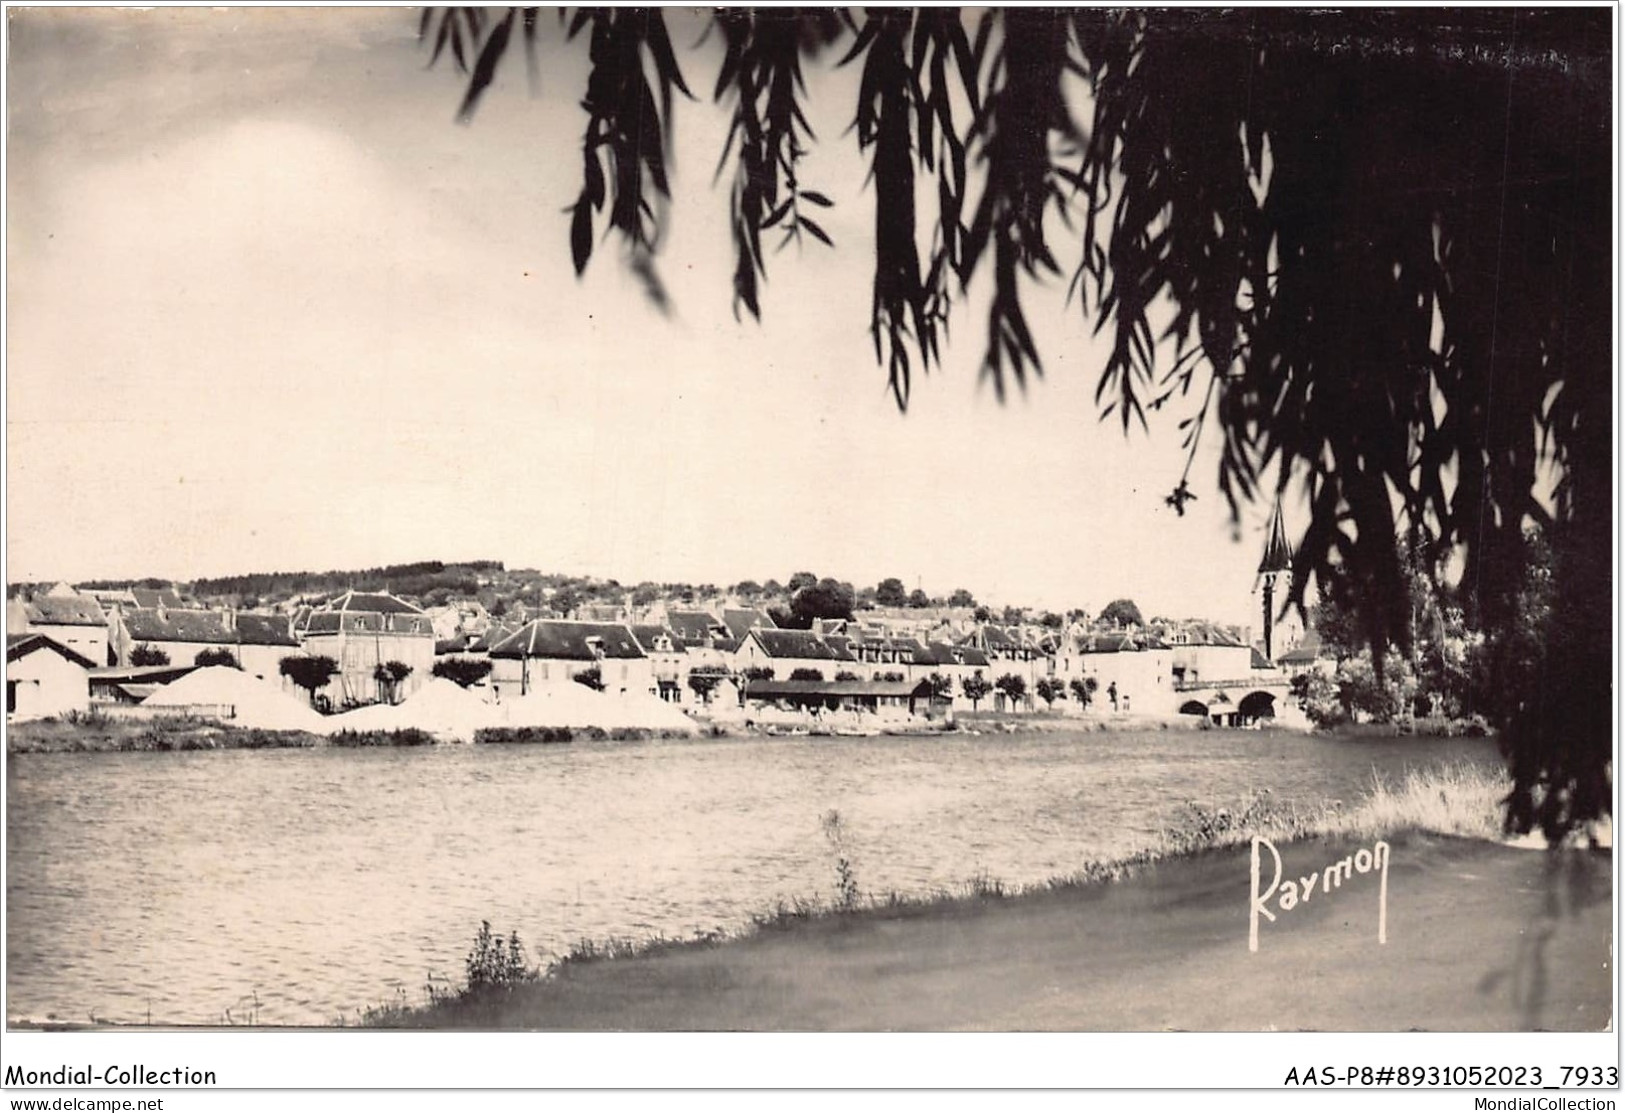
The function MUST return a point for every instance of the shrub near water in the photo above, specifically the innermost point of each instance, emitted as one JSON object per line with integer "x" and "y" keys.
{"x": 522, "y": 735}
{"x": 406, "y": 736}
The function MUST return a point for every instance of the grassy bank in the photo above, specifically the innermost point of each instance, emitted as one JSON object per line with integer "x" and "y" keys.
{"x": 101, "y": 734}
{"x": 1158, "y": 951}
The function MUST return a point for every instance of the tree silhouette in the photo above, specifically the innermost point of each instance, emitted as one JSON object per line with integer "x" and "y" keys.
{"x": 1083, "y": 689}
{"x": 309, "y": 673}
{"x": 976, "y": 688}
{"x": 1049, "y": 690}
{"x": 219, "y": 655}
{"x": 1121, "y": 612}
{"x": 1373, "y": 248}
{"x": 144, "y": 654}
{"x": 389, "y": 675}
{"x": 465, "y": 672}
{"x": 890, "y": 592}
{"x": 1013, "y": 688}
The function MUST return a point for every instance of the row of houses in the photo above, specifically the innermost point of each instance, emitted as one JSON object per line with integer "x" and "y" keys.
{"x": 358, "y": 630}
{"x": 1145, "y": 670}
{"x": 1128, "y": 671}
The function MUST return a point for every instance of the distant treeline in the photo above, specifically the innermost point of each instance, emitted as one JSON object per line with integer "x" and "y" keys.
{"x": 415, "y": 579}
{"x": 152, "y": 582}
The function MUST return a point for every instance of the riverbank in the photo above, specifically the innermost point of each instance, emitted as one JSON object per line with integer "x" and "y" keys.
{"x": 95, "y": 733}
{"x": 1479, "y": 936}
{"x": 161, "y": 734}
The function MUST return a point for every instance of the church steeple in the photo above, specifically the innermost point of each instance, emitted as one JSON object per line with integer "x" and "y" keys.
{"x": 1277, "y": 560}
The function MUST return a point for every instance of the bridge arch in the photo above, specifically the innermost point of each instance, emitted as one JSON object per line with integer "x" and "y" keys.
{"x": 1257, "y": 704}
{"x": 1193, "y": 707}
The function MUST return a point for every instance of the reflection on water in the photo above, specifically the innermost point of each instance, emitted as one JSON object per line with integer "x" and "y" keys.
{"x": 175, "y": 885}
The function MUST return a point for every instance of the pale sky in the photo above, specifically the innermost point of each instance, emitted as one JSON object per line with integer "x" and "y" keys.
{"x": 270, "y": 307}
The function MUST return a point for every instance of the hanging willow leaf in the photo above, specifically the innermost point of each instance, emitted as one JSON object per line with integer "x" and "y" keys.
{"x": 1373, "y": 242}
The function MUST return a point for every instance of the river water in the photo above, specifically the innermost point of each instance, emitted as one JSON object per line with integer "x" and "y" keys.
{"x": 297, "y": 886}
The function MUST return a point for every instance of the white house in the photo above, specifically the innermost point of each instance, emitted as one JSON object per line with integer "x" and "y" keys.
{"x": 785, "y": 651}
{"x": 362, "y": 630}
{"x": 44, "y": 678}
{"x": 69, "y": 618}
{"x": 555, "y": 651}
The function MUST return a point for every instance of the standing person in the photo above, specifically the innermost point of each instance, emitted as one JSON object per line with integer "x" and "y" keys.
{"x": 1111, "y": 693}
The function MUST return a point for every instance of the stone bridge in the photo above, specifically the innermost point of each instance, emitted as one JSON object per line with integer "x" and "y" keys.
{"x": 1239, "y": 702}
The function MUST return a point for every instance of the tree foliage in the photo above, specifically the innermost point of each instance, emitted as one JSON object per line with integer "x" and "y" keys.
{"x": 144, "y": 654}
{"x": 215, "y": 655}
{"x": 1121, "y": 612}
{"x": 310, "y": 673}
{"x": 1049, "y": 690}
{"x": 389, "y": 675}
{"x": 1013, "y": 688}
{"x": 1083, "y": 689}
{"x": 704, "y": 680}
{"x": 1371, "y": 248}
{"x": 975, "y": 688}
{"x": 465, "y": 672}
{"x": 890, "y": 592}
{"x": 827, "y": 598}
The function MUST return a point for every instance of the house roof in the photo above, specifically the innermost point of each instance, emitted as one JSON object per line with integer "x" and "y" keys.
{"x": 693, "y": 626}
{"x": 797, "y": 643}
{"x": 648, "y": 635}
{"x": 264, "y": 629}
{"x": 777, "y": 689}
{"x": 1307, "y": 652}
{"x": 373, "y": 602}
{"x": 741, "y": 622}
{"x": 21, "y": 645}
{"x": 997, "y": 637}
{"x": 1208, "y": 633}
{"x": 558, "y": 639}
{"x": 66, "y": 610}
{"x": 155, "y": 597}
{"x": 140, "y": 674}
{"x": 177, "y": 626}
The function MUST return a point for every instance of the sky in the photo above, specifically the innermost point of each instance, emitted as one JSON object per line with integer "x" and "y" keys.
{"x": 270, "y": 307}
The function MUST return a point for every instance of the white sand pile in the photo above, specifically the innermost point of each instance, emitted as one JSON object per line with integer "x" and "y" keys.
{"x": 374, "y": 716}
{"x": 447, "y": 710}
{"x": 440, "y": 707}
{"x": 653, "y": 713}
{"x": 577, "y": 706}
{"x": 259, "y": 704}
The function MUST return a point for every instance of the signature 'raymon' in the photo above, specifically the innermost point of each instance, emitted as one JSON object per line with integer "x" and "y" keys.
{"x": 1288, "y": 894}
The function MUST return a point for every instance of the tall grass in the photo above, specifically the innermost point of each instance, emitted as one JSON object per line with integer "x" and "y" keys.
{"x": 1455, "y": 799}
